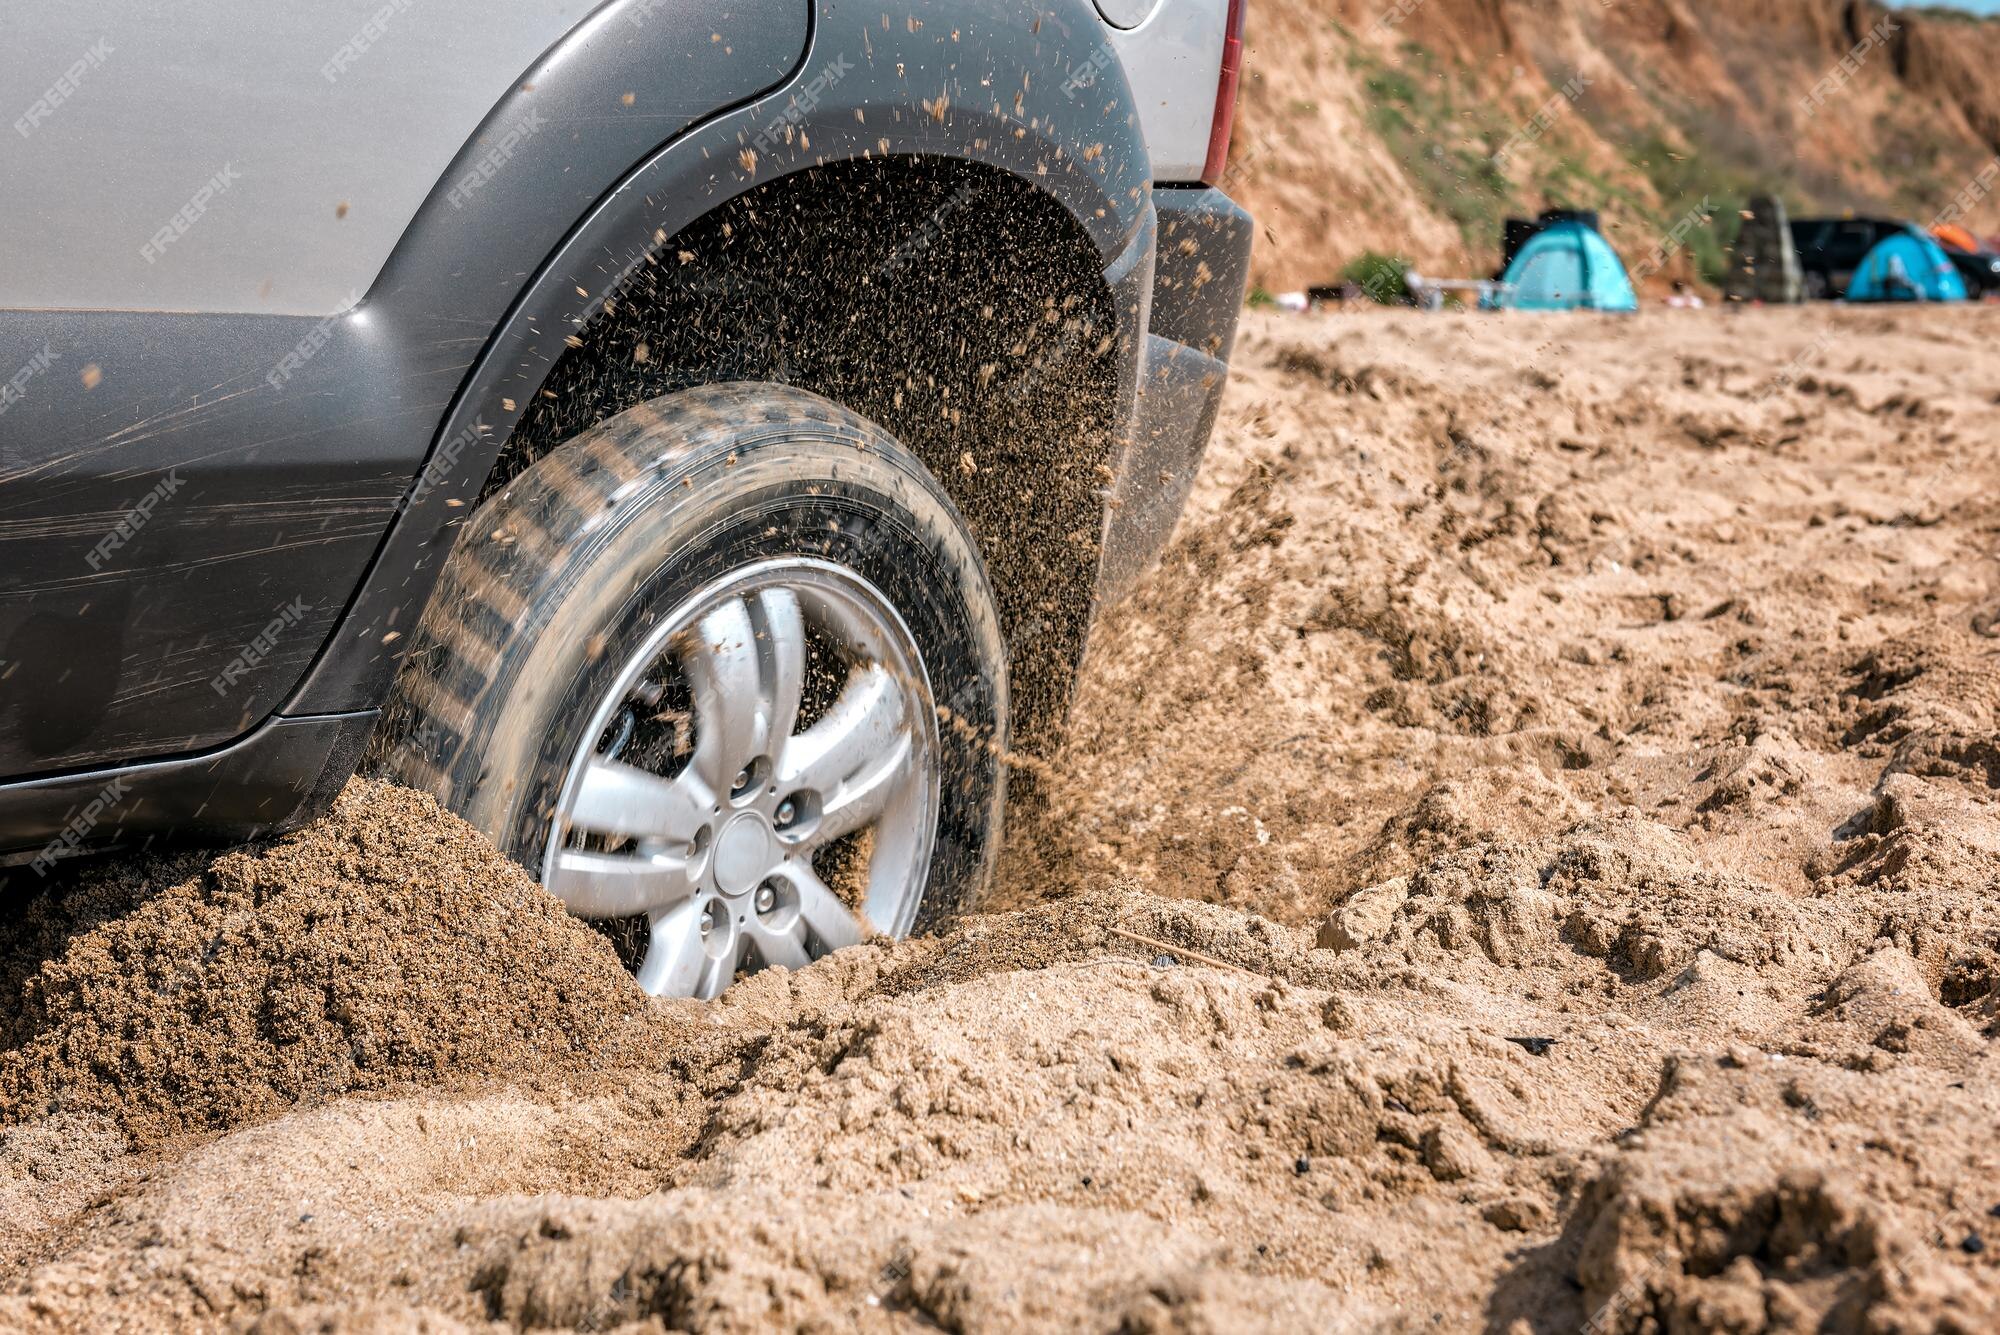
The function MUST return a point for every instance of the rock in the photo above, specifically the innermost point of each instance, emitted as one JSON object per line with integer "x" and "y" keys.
{"x": 1516, "y": 1214}
{"x": 1451, "y": 1153}
{"x": 1365, "y": 916}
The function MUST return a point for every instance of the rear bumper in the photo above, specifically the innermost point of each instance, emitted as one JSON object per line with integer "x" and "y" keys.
{"x": 1201, "y": 267}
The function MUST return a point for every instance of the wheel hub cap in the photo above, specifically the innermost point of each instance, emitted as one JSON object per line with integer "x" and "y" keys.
{"x": 745, "y": 854}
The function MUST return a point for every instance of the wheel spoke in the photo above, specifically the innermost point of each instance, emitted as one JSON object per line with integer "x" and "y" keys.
{"x": 747, "y": 672}
{"x": 821, "y": 910}
{"x": 677, "y": 961}
{"x": 620, "y": 799}
{"x": 703, "y": 848}
{"x": 786, "y": 948}
{"x": 856, "y": 757}
{"x": 864, "y": 797}
{"x": 783, "y": 628}
{"x": 617, "y": 885}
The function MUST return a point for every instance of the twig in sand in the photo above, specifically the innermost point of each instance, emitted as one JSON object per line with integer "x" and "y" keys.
{"x": 1173, "y": 949}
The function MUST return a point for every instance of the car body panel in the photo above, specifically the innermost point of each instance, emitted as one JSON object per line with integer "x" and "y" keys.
{"x": 1169, "y": 57}
{"x": 273, "y": 780}
{"x": 1200, "y": 273}
{"x": 331, "y": 121}
{"x": 182, "y": 527}
{"x": 1980, "y": 269}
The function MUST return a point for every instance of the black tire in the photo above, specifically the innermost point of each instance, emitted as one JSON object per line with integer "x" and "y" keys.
{"x": 554, "y": 581}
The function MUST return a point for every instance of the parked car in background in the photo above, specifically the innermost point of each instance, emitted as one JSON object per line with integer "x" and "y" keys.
{"x": 1980, "y": 268}
{"x": 1831, "y": 249}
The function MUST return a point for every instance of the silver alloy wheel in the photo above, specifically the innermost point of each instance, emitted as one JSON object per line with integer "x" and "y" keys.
{"x": 719, "y": 856}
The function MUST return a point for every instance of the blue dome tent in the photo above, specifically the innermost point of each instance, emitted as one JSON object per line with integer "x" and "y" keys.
{"x": 1566, "y": 266}
{"x": 1906, "y": 266}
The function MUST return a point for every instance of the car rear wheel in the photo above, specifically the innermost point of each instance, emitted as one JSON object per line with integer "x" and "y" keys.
{"x": 724, "y": 671}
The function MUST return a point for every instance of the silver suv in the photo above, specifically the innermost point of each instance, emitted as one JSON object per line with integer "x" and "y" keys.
{"x": 691, "y": 441}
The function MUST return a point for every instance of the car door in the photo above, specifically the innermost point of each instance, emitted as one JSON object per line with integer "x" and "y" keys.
{"x": 251, "y": 252}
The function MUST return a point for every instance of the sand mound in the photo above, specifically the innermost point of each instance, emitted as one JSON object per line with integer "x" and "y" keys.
{"x": 385, "y": 944}
{"x": 1763, "y": 1196}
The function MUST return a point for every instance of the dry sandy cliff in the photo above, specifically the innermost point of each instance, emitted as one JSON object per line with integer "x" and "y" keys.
{"x": 1374, "y": 125}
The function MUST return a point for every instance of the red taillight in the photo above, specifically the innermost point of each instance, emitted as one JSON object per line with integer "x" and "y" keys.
{"x": 1225, "y": 96}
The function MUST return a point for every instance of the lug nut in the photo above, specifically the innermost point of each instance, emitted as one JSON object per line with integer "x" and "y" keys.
{"x": 788, "y": 812}
{"x": 708, "y": 920}
{"x": 743, "y": 781}
{"x": 767, "y": 898}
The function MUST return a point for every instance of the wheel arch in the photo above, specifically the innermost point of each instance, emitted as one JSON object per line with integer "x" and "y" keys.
{"x": 882, "y": 124}
{"x": 946, "y": 301}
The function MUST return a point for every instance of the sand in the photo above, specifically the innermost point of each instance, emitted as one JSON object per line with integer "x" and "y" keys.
{"x": 197, "y": 994}
{"x": 1582, "y": 738}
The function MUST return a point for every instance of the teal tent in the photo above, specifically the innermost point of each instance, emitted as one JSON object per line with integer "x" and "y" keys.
{"x": 1906, "y": 266}
{"x": 1563, "y": 267}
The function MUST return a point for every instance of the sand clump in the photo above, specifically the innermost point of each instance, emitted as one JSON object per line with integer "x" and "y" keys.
{"x": 1586, "y": 775}
{"x": 384, "y": 944}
